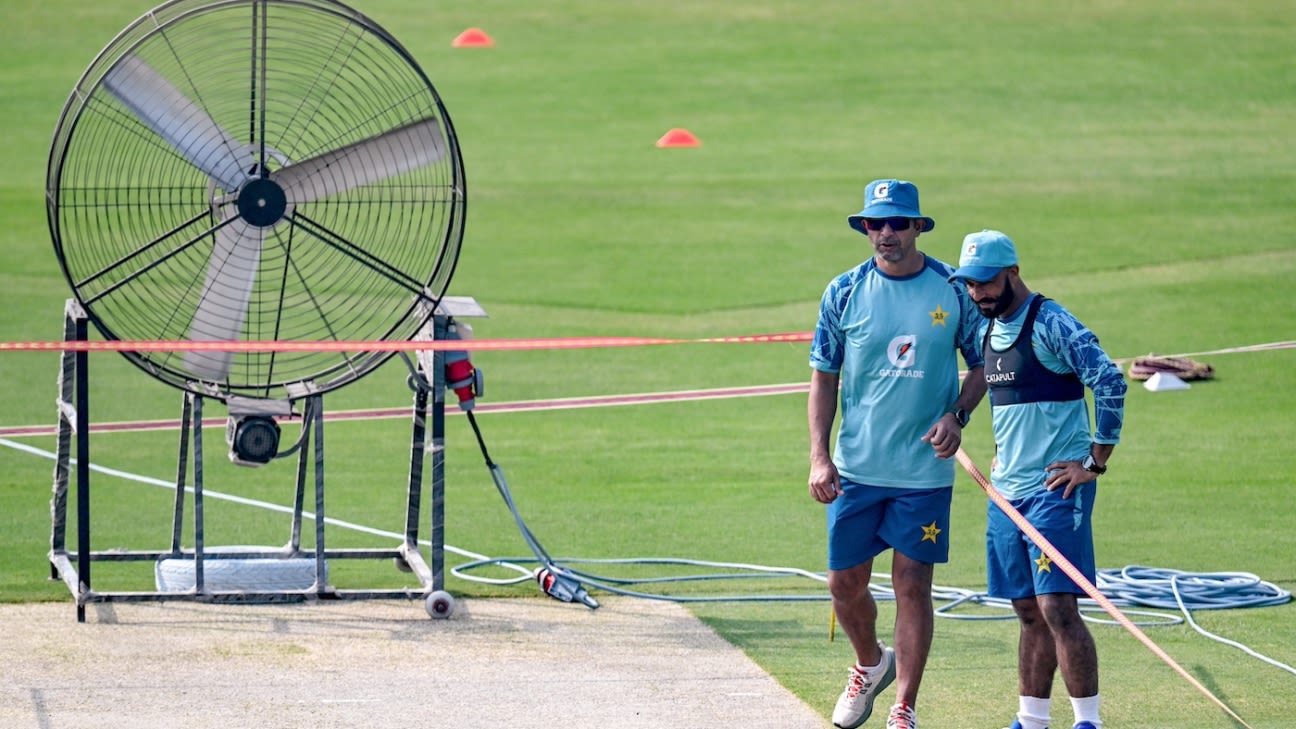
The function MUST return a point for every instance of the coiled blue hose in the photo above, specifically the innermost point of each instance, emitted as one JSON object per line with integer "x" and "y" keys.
{"x": 1174, "y": 589}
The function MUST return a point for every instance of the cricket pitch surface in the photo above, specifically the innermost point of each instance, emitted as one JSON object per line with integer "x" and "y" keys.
{"x": 372, "y": 664}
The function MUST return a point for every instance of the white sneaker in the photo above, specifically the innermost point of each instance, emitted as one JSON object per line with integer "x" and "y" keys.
{"x": 856, "y": 703}
{"x": 902, "y": 717}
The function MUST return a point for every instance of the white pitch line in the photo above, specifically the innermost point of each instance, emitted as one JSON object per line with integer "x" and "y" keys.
{"x": 221, "y": 496}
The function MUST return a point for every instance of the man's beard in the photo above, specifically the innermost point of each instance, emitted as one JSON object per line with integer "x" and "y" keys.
{"x": 895, "y": 254}
{"x": 1001, "y": 304}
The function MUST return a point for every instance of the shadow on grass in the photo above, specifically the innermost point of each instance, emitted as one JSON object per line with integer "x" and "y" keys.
{"x": 1207, "y": 679}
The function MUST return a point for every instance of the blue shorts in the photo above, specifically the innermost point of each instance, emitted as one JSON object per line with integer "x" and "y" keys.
{"x": 1017, "y": 568}
{"x": 866, "y": 520}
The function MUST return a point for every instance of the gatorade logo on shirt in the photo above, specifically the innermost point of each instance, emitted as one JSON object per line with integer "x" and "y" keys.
{"x": 902, "y": 354}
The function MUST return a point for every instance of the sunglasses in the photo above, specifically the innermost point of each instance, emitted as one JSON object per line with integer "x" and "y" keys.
{"x": 897, "y": 223}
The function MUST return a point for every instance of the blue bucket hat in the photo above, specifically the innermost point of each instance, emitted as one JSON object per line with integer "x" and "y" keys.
{"x": 984, "y": 255}
{"x": 888, "y": 199}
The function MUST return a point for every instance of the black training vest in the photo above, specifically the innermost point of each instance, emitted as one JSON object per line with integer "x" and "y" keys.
{"x": 1015, "y": 376}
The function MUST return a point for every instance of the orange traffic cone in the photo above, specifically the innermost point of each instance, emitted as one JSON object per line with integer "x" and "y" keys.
{"x": 473, "y": 38}
{"x": 679, "y": 138}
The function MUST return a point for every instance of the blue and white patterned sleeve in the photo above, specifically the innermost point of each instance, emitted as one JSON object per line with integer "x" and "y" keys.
{"x": 1078, "y": 348}
{"x": 970, "y": 323}
{"x": 826, "y": 354}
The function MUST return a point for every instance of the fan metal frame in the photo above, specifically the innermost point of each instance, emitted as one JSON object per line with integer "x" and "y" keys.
{"x": 360, "y": 242}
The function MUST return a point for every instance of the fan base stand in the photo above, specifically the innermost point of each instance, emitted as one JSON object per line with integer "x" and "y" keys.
{"x": 252, "y": 574}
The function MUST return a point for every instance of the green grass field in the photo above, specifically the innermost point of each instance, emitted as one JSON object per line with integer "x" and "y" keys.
{"x": 1138, "y": 152}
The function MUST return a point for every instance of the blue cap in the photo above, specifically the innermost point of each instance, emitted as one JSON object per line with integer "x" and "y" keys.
{"x": 888, "y": 199}
{"x": 984, "y": 255}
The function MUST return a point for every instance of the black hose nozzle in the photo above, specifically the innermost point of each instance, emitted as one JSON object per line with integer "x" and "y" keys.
{"x": 561, "y": 586}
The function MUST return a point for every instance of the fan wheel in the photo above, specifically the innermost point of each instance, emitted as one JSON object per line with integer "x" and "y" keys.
{"x": 256, "y": 170}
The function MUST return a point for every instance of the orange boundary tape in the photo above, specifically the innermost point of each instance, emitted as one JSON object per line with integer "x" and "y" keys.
{"x": 1030, "y": 531}
{"x": 159, "y": 345}
{"x": 185, "y": 345}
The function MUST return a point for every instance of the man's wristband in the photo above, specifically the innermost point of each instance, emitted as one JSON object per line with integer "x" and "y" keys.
{"x": 960, "y": 415}
{"x": 1091, "y": 465}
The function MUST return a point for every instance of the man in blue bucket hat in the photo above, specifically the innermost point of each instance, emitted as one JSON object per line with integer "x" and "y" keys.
{"x": 885, "y": 347}
{"x": 1039, "y": 360}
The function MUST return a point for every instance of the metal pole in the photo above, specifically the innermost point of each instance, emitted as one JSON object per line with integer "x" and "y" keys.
{"x": 63, "y": 461}
{"x": 417, "y": 453}
{"x": 182, "y": 471}
{"x": 316, "y": 407}
{"x": 83, "y": 469}
{"x": 299, "y": 497}
{"x": 438, "y": 459}
{"x": 199, "y": 579}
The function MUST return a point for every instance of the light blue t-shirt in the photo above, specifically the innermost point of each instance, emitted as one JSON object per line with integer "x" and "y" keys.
{"x": 893, "y": 342}
{"x": 1030, "y": 436}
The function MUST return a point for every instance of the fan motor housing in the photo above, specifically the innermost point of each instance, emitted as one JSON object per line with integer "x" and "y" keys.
{"x": 252, "y": 431}
{"x": 253, "y": 439}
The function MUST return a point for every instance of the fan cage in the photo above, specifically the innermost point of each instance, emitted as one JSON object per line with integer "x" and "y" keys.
{"x": 135, "y": 222}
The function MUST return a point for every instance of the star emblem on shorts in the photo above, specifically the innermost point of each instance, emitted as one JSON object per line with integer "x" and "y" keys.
{"x": 938, "y": 316}
{"x": 929, "y": 533}
{"x": 1045, "y": 564}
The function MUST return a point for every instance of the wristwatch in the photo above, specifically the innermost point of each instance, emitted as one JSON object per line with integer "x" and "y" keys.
{"x": 961, "y": 416}
{"x": 1090, "y": 465}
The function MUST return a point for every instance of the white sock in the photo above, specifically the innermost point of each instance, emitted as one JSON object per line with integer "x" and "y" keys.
{"x": 1086, "y": 709}
{"x": 1033, "y": 712}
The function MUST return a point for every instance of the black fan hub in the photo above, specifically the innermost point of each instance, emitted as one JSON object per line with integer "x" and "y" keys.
{"x": 262, "y": 202}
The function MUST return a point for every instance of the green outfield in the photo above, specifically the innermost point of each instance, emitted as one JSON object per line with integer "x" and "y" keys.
{"x": 1139, "y": 153}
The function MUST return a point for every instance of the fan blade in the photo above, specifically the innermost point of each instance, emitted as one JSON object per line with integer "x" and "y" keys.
{"x": 181, "y": 122}
{"x": 226, "y": 291}
{"x": 370, "y": 160}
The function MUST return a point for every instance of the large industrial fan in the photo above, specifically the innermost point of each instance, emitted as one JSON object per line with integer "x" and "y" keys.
{"x": 254, "y": 171}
